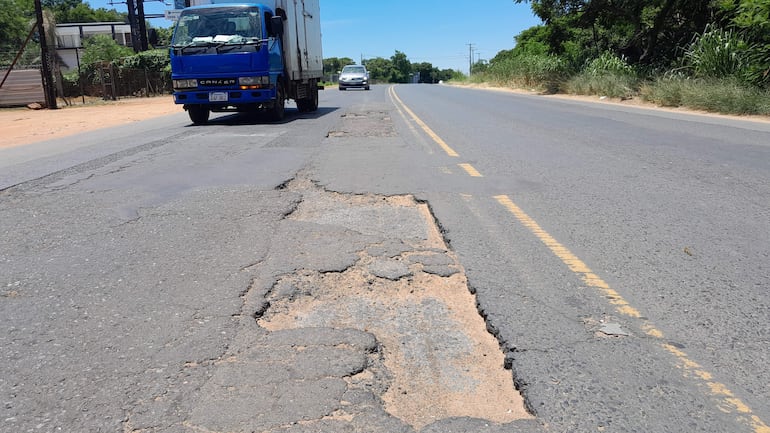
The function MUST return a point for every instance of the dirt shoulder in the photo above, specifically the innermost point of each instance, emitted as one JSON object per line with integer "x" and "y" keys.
{"x": 19, "y": 126}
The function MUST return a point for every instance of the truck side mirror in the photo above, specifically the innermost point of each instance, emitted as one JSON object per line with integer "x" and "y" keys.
{"x": 276, "y": 24}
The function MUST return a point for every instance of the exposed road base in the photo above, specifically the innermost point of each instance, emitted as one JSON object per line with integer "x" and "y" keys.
{"x": 435, "y": 358}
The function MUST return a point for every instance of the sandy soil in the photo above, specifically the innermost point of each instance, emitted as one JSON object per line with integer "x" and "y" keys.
{"x": 19, "y": 126}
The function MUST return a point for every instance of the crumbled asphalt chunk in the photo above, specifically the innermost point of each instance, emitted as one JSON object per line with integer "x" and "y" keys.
{"x": 430, "y": 259}
{"x": 390, "y": 248}
{"x": 388, "y": 268}
{"x": 440, "y": 270}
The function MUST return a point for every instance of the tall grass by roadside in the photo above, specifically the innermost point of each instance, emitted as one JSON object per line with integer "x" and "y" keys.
{"x": 526, "y": 71}
{"x": 728, "y": 96}
{"x": 608, "y": 75}
{"x": 693, "y": 85}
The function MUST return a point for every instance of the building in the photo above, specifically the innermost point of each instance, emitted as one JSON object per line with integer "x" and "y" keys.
{"x": 70, "y": 36}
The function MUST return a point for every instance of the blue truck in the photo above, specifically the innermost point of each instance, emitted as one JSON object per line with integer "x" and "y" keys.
{"x": 229, "y": 56}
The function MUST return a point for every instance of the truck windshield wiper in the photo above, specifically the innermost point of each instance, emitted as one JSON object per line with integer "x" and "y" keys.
{"x": 198, "y": 44}
{"x": 230, "y": 46}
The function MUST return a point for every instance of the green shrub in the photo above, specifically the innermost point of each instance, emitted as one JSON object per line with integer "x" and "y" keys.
{"x": 609, "y": 63}
{"x": 718, "y": 53}
{"x": 102, "y": 48}
{"x": 153, "y": 60}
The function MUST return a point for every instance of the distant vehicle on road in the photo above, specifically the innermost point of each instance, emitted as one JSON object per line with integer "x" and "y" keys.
{"x": 354, "y": 76}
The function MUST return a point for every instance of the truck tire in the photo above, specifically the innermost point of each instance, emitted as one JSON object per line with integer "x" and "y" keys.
{"x": 278, "y": 110}
{"x": 311, "y": 103}
{"x": 199, "y": 114}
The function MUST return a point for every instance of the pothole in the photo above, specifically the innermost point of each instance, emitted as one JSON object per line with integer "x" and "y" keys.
{"x": 371, "y": 123}
{"x": 409, "y": 291}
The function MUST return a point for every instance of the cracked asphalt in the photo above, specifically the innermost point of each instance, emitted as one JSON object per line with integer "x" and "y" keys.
{"x": 139, "y": 298}
{"x": 569, "y": 267}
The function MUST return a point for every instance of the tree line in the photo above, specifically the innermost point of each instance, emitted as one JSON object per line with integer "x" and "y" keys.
{"x": 396, "y": 69}
{"x": 710, "y": 55}
{"x": 717, "y": 38}
{"x": 17, "y": 17}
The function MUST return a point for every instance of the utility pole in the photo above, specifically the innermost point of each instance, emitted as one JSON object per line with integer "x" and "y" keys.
{"x": 470, "y": 57}
{"x": 138, "y": 26}
{"x": 45, "y": 57}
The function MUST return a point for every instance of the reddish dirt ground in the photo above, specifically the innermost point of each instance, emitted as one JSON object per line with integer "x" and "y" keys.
{"x": 19, "y": 126}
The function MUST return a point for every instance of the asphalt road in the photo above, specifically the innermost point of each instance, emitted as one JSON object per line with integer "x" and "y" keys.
{"x": 618, "y": 255}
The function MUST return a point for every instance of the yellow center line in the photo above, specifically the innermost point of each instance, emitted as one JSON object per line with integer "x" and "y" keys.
{"x": 726, "y": 400}
{"x": 470, "y": 170}
{"x": 449, "y": 151}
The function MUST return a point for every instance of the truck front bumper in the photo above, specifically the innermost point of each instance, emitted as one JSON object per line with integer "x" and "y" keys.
{"x": 222, "y": 98}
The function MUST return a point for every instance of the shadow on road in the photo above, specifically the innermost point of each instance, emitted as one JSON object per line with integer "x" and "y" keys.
{"x": 258, "y": 118}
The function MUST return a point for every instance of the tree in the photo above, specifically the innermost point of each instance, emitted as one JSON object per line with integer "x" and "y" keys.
{"x": 379, "y": 69}
{"x": 752, "y": 17}
{"x": 102, "y": 48}
{"x": 428, "y": 74}
{"x": 644, "y": 31}
{"x": 75, "y": 11}
{"x": 401, "y": 71}
{"x": 16, "y": 19}
{"x": 479, "y": 67}
{"x": 164, "y": 35}
{"x": 333, "y": 65}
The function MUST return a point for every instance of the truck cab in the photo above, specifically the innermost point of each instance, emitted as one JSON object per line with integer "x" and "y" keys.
{"x": 233, "y": 57}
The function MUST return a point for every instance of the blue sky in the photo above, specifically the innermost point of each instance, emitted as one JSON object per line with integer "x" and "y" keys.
{"x": 434, "y": 31}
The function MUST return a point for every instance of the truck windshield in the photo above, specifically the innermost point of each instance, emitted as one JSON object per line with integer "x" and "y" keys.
{"x": 221, "y": 26}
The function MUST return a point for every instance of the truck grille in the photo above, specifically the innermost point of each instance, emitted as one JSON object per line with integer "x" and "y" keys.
{"x": 217, "y": 82}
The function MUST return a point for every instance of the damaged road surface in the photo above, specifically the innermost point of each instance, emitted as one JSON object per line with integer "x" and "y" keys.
{"x": 384, "y": 338}
{"x": 413, "y": 259}
{"x": 183, "y": 285}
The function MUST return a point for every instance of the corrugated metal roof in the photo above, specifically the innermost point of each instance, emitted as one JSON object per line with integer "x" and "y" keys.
{"x": 22, "y": 87}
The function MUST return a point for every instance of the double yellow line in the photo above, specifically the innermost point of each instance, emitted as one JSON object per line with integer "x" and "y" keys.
{"x": 726, "y": 399}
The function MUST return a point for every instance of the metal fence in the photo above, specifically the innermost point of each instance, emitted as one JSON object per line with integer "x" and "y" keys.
{"x": 113, "y": 82}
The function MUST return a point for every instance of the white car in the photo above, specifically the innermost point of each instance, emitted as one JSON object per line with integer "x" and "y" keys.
{"x": 354, "y": 76}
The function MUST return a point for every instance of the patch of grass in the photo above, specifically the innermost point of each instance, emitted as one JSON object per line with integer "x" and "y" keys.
{"x": 607, "y": 75}
{"x": 608, "y": 84}
{"x": 720, "y": 96}
{"x": 526, "y": 71}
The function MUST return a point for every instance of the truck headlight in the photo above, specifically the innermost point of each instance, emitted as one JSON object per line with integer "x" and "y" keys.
{"x": 254, "y": 82}
{"x": 185, "y": 84}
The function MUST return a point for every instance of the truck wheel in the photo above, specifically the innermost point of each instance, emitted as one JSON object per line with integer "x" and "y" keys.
{"x": 278, "y": 110}
{"x": 198, "y": 114}
{"x": 311, "y": 103}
